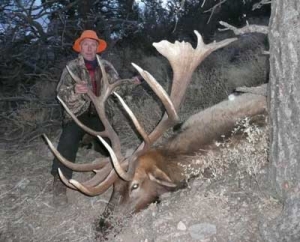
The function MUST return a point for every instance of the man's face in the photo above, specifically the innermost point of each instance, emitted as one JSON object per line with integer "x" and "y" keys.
{"x": 89, "y": 49}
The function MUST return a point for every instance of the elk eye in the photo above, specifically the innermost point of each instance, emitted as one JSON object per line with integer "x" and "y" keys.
{"x": 134, "y": 186}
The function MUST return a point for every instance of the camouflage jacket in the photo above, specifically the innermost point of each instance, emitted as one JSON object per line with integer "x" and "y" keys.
{"x": 80, "y": 103}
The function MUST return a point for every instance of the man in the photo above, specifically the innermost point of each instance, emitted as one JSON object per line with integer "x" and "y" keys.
{"x": 74, "y": 95}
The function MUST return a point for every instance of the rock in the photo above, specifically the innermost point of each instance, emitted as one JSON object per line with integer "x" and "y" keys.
{"x": 181, "y": 226}
{"x": 202, "y": 231}
{"x": 22, "y": 184}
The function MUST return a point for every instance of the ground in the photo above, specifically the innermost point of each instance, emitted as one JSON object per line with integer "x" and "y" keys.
{"x": 229, "y": 207}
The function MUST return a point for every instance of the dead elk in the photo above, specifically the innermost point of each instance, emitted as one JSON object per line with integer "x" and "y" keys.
{"x": 141, "y": 178}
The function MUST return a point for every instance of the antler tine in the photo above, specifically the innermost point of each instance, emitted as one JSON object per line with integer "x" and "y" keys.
{"x": 135, "y": 121}
{"x": 99, "y": 189}
{"x": 65, "y": 180}
{"x": 75, "y": 78}
{"x": 104, "y": 75}
{"x": 172, "y": 116}
{"x": 184, "y": 59}
{"x": 120, "y": 171}
{"x": 159, "y": 91}
{"x": 80, "y": 124}
{"x": 90, "y": 190}
{"x": 100, "y": 176}
{"x": 71, "y": 165}
{"x": 102, "y": 187}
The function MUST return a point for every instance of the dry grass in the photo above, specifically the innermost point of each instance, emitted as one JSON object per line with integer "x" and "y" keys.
{"x": 246, "y": 153}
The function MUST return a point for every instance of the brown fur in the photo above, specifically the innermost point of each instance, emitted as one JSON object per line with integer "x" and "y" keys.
{"x": 211, "y": 124}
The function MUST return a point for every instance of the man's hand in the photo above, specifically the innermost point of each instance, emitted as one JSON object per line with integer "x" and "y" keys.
{"x": 81, "y": 88}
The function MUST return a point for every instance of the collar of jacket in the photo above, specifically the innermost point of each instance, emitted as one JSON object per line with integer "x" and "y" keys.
{"x": 81, "y": 60}
{"x": 84, "y": 73}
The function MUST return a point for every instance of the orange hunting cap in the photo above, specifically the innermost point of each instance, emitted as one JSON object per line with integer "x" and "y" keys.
{"x": 89, "y": 34}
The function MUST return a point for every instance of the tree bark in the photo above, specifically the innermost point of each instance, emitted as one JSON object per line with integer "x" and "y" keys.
{"x": 284, "y": 109}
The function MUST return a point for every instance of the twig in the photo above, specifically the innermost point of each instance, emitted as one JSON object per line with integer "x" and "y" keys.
{"x": 47, "y": 76}
{"x": 25, "y": 99}
{"x": 38, "y": 132}
{"x": 29, "y": 136}
{"x": 260, "y": 4}
{"x": 247, "y": 29}
{"x": 212, "y": 10}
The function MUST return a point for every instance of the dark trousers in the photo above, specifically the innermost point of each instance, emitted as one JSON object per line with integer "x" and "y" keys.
{"x": 70, "y": 140}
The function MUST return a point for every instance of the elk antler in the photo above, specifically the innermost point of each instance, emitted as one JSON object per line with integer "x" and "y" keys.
{"x": 183, "y": 59}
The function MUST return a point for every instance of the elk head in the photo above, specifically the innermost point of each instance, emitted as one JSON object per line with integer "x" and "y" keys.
{"x": 139, "y": 179}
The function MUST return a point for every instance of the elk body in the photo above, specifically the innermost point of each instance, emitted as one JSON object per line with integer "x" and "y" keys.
{"x": 150, "y": 171}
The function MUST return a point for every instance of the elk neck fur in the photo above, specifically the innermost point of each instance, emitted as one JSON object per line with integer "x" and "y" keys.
{"x": 215, "y": 123}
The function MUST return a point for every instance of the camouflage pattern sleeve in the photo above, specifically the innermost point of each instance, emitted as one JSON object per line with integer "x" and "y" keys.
{"x": 77, "y": 103}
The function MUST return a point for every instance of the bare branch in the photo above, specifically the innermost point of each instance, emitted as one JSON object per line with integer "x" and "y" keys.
{"x": 260, "y": 4}
{"x": 213, "y": 9}
{"x": 23, "y": 99}
{"x": 247, "y": 29}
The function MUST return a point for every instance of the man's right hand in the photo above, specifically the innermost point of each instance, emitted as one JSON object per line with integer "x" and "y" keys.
{"x": 81, "y": 88}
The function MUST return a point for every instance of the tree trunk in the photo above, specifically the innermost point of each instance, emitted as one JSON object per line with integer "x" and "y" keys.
{"x": 284, "y": 109}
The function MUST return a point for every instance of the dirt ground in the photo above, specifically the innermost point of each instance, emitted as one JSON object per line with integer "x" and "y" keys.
{"x": 229, "y": 207}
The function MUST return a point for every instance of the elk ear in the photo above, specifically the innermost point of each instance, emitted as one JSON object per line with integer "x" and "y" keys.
{"x": 158, "y": 176}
